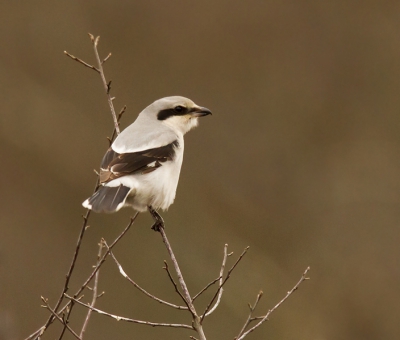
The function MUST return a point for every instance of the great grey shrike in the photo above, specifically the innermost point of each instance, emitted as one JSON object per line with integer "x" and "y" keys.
{"x": 141, "y": 168}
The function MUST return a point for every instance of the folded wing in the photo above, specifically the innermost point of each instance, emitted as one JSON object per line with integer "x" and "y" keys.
{"x": 115, "y": 165}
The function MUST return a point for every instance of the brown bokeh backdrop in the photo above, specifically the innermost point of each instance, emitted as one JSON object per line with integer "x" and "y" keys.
{"x": 300, "y": 160}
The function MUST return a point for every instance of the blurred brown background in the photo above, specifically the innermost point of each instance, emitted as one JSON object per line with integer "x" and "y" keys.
{"x": 300, "y": 161}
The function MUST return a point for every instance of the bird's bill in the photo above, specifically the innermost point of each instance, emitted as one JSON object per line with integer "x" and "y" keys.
{"x": 200, "y": 112}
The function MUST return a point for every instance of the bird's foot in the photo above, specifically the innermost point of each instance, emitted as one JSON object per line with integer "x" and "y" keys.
{"x": 159, "y": 222}
{"x": 157, "y": 226}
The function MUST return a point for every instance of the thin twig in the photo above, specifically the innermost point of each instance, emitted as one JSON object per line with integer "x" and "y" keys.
{"x": 103, "y": 258}
{"x": 42, "y": 329}
{"x": 265, "y": 318}
{"x": 94, "y": 289}
{"x": 77, "y": 249}
{"x": 206, "y": 287}
{"x": 37, "y": 334}
{"x": 196, "y": 322}
{"x": 110, "y": 140}
{"x": 186, "y": 295}
{"x": 81, "y": 61}
{"x": 106, "y": 58}
{"x": 106, "y": 85}
{"x": 123, "y": 273}
{"x": 223, "y": 283}
{"x": 122, "y": 318}
{"x": 65, "y": 320}
{"x": 100, "y": 262}
{"x": 175, "y": 285}
{"x": 47, "y": 306}
{"x": 99, "y": 70}
{"x": 50, "y": 320}
{"x": 219, "y": 278}
{"x": 250, "y": 317}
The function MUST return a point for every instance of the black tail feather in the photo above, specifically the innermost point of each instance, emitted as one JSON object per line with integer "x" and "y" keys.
{"x": 107, "y": 199}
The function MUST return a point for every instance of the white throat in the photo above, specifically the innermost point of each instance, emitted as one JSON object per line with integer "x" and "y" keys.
{"x": 181, "y": 124}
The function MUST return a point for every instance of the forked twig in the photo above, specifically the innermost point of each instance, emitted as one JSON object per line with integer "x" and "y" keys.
{"x": 122, "y": 318}
{"x": 264, "y": 318}
{"x": 50, "y": 320}
{"x": 206, "y": 287}
{"x": 123, "y": 273}
{"x": 42, "y": 329}
{"x": 47, "y": 306}
{"x": 94, "y": 290}
{"x": 186, "y": 295}
{"x": 217, "y": 293}
{"x": 103, "y": 258}
{"x": 250, "y": 317}
{"x": 219, "y": 278}
{"x": 106, "y": 84}
{"x": 196, "y": 321}
{"x": 175, "y": 285}
{"x": 99, "y": 69}
{"x": 100, "y": 262}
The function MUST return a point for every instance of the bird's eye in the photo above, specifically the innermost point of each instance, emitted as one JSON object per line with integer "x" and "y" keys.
{"x": 178, "y": 108}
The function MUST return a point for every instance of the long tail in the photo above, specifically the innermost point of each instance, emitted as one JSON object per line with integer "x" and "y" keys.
{"x": 107, "y": 199}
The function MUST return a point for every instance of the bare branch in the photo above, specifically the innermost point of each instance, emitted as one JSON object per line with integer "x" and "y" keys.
{"x": 174, "y": 283}
{"x": 123, "y": 273}
{"x": 221, "y": 273}
{"x": 81, "y": 61}
{"x": 70, "y": 305}
{"x": 47, "y": 306}
{"x": 37, "y": 334}
{"x": 118, "y": 119}
{"x": 206, "y": 287}
{"x": 250, "y": 317}
{"x": 217, "y": 293}
{"x": 186, "y": 295}
{"x": 196, "y": 323}
{"x": 94, "y": 289}
{"x": 265, "y": 318}
{"x": 103, "y": 258}
{"x": 50, "y": 320}
{"x": 121, "y": 318}
{"x": 106, "y": 85}
{"x": 42, "y": 329}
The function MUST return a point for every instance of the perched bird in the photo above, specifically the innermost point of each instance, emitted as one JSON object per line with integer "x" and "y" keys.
{"x": 141, "y": 168}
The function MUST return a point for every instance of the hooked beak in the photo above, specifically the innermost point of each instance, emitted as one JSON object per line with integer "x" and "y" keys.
{"x": 200, "y": 112}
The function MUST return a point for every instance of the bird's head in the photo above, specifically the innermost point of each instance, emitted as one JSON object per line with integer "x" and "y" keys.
{"x": 179, "y": 113}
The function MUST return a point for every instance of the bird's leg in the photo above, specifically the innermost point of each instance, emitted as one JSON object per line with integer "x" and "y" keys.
{"x": 159, "y": 222}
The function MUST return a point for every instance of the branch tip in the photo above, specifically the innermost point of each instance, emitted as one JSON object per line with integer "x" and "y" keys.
{"x": 106, "y": 58}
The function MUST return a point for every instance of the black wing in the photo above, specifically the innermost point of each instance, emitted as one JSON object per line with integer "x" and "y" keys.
{"x": 115, "y": 165}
